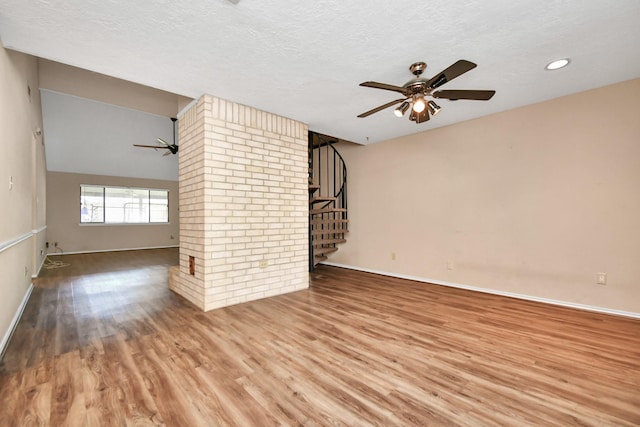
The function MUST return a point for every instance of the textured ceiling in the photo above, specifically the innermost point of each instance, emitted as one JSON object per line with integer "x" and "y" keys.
{"x": 304, "y": 60}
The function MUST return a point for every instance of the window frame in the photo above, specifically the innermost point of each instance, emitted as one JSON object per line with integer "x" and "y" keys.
{"x": 117, "y": 187}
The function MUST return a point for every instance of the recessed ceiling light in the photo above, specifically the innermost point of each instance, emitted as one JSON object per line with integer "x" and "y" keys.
{"x": 557, "y": 64}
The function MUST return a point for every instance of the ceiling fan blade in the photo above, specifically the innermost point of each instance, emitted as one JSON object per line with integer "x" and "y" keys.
{"x": 385, "y": 86}
{"x": 162, "y": 141}
{"x": 380, "y": 108}
{"x": 478, "y": 95}
{"x": 167, "y": 153}
{"x": 458, "y": 68}
{"x": 150, "y": 146}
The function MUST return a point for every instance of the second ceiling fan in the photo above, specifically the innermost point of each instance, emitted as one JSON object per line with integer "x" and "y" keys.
{"x": 171, "y": 148}
{"x": 416, "y": 90}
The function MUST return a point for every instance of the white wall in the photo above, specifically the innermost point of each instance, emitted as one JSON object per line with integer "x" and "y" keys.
{"x": 74, "y": 81}
{"x": 533, "y": 201}
{"x": 23, "y": 188}
{"x": 63, "y": 217}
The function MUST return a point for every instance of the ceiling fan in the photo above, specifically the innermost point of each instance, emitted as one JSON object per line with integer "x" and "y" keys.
{"x": 416, "y": 90}
{"x": 171, "y": 148}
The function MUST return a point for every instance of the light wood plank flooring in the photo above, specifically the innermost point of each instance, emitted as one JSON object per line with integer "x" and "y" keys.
{"x": 104, "y": 342}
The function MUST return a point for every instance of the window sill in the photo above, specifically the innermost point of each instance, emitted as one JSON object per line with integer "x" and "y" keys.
{"x": 120, "y": 224}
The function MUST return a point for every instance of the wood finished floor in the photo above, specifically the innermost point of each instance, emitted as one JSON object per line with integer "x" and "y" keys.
{"x": 103, "y": 342}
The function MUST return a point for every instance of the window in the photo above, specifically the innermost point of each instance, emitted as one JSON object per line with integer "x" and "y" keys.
{"x": 122, "y": 205}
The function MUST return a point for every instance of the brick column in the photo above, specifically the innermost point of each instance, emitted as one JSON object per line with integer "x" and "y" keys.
{"x": 243, "y": 205}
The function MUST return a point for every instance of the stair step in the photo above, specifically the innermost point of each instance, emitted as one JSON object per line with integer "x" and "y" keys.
{"x": 321, "y": 199}
{"x": 335, "y": 227}
{"x": 330, "y": 221}
{"x": 324, "y": 251}
{"x": 313, "y": 188}
{"x": 326, "y": 210}
{"x": 329, "y": 232}
{"x": 328, "y": 241}
{"x": 318, "y": 259}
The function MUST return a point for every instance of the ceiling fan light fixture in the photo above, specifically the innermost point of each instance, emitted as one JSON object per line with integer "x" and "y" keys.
{"x": 557, "y": 64}
{"x": 419, "y": 105}
{"x": 433, "y": 108}
{"x": 399, "y": 112}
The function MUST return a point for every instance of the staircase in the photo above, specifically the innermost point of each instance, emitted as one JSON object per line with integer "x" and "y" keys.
{"x": 328, "y": 223}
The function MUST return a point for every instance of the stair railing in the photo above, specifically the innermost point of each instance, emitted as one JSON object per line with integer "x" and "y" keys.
{"x": 327, "y": 170}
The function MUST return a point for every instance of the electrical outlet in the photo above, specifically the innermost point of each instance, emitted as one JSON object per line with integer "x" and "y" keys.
{"x": 393, "y": 256}
{"x": 601, "y": 278}
{"x": 55, "y": 244}
{"x": 263, "y": 264}
{"x": 450, "y": 265}
{"x": 26, "y": 271}
{"x": 46, "y": 245}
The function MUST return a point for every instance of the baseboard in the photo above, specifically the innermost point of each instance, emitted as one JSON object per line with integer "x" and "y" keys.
{"x": 44, "y": 258}
{"x": 113, "y": 250}
{"x": 491, "y": 291}
{"x": 14, "y": 322}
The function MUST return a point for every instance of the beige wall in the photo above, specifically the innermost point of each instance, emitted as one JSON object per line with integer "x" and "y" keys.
{"x": 86, "y": 84}
{"x": 63, "y": 216}
{"x": 533, "y": 201}
{"x": 22, "y": 204}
